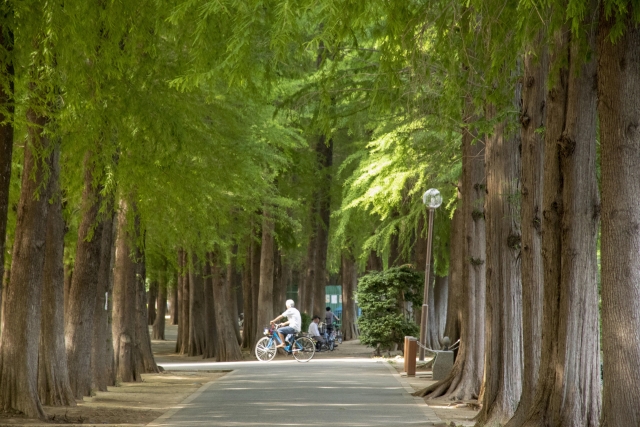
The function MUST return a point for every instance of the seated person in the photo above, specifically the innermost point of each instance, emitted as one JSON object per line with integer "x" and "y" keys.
{"x": 314, "y": 333}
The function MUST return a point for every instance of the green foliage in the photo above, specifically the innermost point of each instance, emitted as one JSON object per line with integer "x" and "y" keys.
{"x": 306, "y": 321}
{"x": 381, "y": 296}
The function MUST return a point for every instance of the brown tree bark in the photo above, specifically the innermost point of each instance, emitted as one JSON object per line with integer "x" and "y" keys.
{"x": 532, "y": 120}
{"x": 456, "y": 264}
{"x": 152, "y": 297}
{"x": 103, "y": 374}
{"x": 233, "y": 285}
{"x": 568, "y": 389}
{"x": 174, "y": 301}
{"x": 210, "y": 333}
{"x": 265, "y": 293}
{"x": 196, "y": 308}
{"x": 256, "y": 254}
{"x": 53, "y": 375}
{"x": 618, "y": 94}
{"x": 465, "y": 379}
{"x": 279, "y": 283}
{"x": 374, "y": 262}
{"x": 437, "y": 311}
{"x": 144, "y": 354}
{"x": 503, "y": 323}
{"x": 20, "y": 338}
{"x": 349, "y": 281}
{"x": 82, "y": 295}
{"x": 6, "y": 149}
{"x": 182, "y": 342}
{"x": 228, "y": 348}
{"x": 159, "y": 321}
{"x": 306, "y": 289}
{"x": 248, "y": 330}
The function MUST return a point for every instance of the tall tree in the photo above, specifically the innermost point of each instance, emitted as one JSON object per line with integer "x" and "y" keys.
{"x": 196, "y": 308}
{"x": 227, "y": 348}
{"x": 349, "y": 281}
{"x": 265, "y": 293}
{"x": 618, "y": 94}
{"x": 53, "y": 374}
{"x": 568, "y": 388}
{"x": 22, "y": 316}
{"x": 79, "y": 315}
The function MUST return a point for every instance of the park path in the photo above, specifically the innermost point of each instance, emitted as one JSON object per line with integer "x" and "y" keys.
{"x": 329, "y": 392}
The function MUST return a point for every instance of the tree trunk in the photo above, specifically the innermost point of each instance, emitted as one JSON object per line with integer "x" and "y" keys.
{"x": 159, "y": 321}
{"x": 456, "y": 264}
{"x": 196, "y": 308}
{"x": 210, "y": 333}
{"x": 279, "y": 283}
{"x": 374, "y": 262}
{"x": 307, "y": 285}
{"x": 23, "y": 294}
{"x": 182, "y": 342}
{"x": 437, "y": 311}
{"x": 102, "y": 347}
{"x": 152, "y": 297}
{"x": 503, "y": 323}
{"x": 568, "y": 389}
{"x": 82, "y": 295}
{"x": 232, "y": 286}
{"x": 144, "y": 354}
{"x": 349, "y": 282}
{"x": 465, "y": 379}
{"x": 125, "y": 302}
{"x": 265, "y": 293}
{"x": 532, "y": 119}
{"x": 618, "y": 93}
{"x": 6, "y": 149}
{"x": 53, "y": 375}
{"x": 256, "y": 254}
{"x": 248, "y": 331}
{"x": 228, "y": 348}
{"x": 174, "y": 301}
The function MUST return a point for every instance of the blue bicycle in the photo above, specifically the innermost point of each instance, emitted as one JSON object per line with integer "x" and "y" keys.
{"x": 302, "y": 348}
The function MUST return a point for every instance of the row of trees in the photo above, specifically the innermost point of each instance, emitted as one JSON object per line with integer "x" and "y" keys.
{"x": 241, "y": 146}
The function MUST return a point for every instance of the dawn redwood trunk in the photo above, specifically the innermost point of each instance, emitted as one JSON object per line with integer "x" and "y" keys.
{"x": 437, "y": 311}
{"x": 102, "y": 368}
{"x": 144, "y": 353}
{"x": 6, "y": 147}
{"x": 248, "y": 331}
{"x": 374, "y": 262}
{"x": 568, "y": 389}
{"x": 159, "y": 322}
{"x": 503, "y": 322}
{"x": 152, "y": 296}
{"x": 456, "y": 263}
{"x": 210, "y": 334}
{"x": 182, "y": 342}
{"x": 349, "y": 281}
{"x": 265, "y": 292}
{"x": 532, "y": 120}
{"x": 305, "y": 291}
{"x": 324, "y": 152}
{"x": 234, "y": 282}
{"x": 465, "y": 379}
{"x": 280, "y": 281}
{"x": 618, "y": 94}
{"x": 81, "y": 302}
{"x": 256, "y": 254}
{"x": 173, "y": 299}
{"x": 228, "y": 348}
{"x": 20, "y": 338}
{"x": 196, "y": 308}
{"x": 53, "y": 375}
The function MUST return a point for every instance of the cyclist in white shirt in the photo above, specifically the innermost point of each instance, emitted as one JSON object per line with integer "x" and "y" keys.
{"x": 293, "y": 323}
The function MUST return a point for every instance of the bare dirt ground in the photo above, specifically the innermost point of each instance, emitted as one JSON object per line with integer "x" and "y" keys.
{"x": 137, "y": 404}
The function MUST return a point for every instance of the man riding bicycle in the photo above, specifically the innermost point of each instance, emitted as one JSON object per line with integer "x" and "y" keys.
{"x": 292, "y": 325}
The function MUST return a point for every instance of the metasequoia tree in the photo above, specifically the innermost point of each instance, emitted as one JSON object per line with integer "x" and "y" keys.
{"x": 618, "y": 94}
{"x": 532, "y": 120}
{"x": 159, "y": 321}
{"x": 503, "y": 326}
{"x": 210, "y": 332}
{"x": 568, "y": 388}
{"x": 264, "y": 312}
{"x": 248, "y": 329}
{"x": 227, "y": 346}
{"x": 53, "y": 375}
{"x": 79, "y": 314}
{"x": 349, "y": 282}
{"x": 20, "y": 339}
{"x": 196, "y": 308}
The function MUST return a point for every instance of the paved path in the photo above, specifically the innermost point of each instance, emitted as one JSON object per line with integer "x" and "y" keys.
{"x": 334, "y": 392}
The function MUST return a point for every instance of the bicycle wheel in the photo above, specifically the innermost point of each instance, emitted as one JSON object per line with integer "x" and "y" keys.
{"x": 265, "y": 349}
{"x": 332, "y": 345}
{"x": 339, "y": 337}
{"x": 303, "y": 349}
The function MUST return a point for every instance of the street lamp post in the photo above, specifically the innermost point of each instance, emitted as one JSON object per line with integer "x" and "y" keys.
{"x": 432, "y": 199}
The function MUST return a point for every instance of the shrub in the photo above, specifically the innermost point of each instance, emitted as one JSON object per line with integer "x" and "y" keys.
{"x": 384, "y": 321}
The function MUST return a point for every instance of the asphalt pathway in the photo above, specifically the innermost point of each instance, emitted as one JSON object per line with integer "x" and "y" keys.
{"x": 329, "y": 392}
